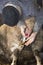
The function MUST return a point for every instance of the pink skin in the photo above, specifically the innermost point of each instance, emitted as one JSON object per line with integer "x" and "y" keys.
{"x": 27, "y": 32}
{"x": 31, "y": 38}
{"x": 30, "y": 35}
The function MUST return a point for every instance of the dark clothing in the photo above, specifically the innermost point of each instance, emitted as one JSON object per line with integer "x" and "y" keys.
{"x": 10, "y": 15}
{"x": 39, "y": 2}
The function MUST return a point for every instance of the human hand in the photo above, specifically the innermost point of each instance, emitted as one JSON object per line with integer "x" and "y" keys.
{"x": 31, "y": 38}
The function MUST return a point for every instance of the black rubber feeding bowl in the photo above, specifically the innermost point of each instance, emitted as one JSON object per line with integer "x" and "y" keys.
{"x": 10, "y": 15}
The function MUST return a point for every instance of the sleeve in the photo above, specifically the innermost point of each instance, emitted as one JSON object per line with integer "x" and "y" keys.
{"x": 37, "y": 26}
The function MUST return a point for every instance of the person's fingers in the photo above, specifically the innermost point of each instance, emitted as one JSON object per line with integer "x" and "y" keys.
{"x": 31, "y": 39}
{"x": 29, "y": 42}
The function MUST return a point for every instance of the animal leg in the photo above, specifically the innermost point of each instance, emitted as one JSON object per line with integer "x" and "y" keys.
{"x": 14, "y": 58}
{"x": 37, "y": 56}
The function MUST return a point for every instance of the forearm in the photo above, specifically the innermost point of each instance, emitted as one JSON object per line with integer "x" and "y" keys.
{"x": 37, "y": 27}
